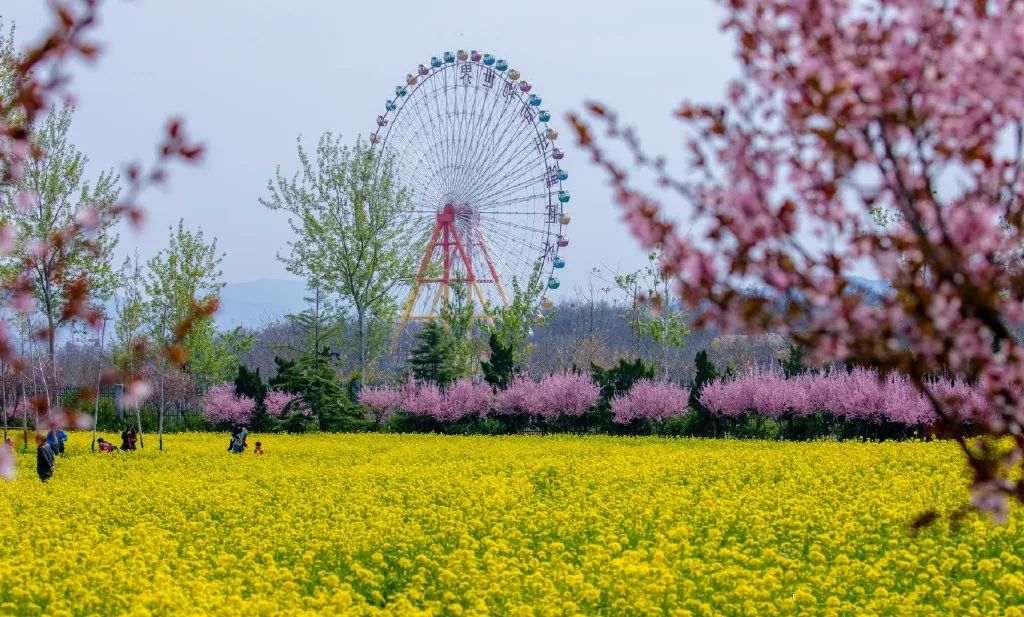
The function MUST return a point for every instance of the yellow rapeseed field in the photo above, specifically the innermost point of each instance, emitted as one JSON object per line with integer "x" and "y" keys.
{"x": 416, "y": 524}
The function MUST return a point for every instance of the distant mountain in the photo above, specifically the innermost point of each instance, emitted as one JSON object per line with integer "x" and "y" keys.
{"x": 253, "y": 302}
{"x": 870, "y": 285}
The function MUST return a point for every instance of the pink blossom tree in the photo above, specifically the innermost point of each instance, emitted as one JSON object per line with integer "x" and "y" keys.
{"x": 382, "y": 401}
{"x": 650, "y": 400}
{"x": 277, "y": 403}
{"x": 887, "y": 136}
{"x": 564, "y": 394}
{"x": 222, "y": 406}
{"x": 467, "y": 398}
{"x": 520, "y": 397}
{"x": 423, "y": 400}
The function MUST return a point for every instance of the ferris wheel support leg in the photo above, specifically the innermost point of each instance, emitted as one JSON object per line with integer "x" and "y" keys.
{"x": 415, "y": 291}
{"x": 470, "y": 275}
{"x": 490, "y": 266}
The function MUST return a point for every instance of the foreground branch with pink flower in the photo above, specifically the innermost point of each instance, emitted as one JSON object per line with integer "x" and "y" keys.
{"x": 881, "y": 136}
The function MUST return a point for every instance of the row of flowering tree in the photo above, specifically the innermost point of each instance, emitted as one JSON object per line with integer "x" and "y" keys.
{"x": 859, "y": 401}
{"x": 558, "y": 402}
{"x": 224, "y": 406}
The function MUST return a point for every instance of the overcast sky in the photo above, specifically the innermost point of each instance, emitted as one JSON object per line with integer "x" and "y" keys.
{"x": 250, "y": 76}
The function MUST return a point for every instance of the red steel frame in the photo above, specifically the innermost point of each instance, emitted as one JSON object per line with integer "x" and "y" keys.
{"x": 446, "y": 236}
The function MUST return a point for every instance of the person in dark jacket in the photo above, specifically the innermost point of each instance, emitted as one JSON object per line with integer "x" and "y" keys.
{"x": 234, "y": 435}
{"x": 238, "y": 444}
{"x": 56, "y": 438}
{"x": 45, "y": 462}
{"x": 129, "y": 437}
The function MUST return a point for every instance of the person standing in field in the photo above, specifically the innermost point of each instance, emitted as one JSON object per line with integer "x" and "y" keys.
{"x": 56, "y": 438}
{"x": 45, "y": 462}
{"x": 238, "y": 442}
{"x": 128, "y": 438}
{"x": 234, "y": 435}
{"x": 259, "y": 448}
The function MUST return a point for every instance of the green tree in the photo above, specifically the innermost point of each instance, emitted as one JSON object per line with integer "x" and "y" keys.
{"x": 52, "y": 195}
{"x": 320, "y": 324}
{"x": 460, "y": 327}
{"x": 652, "y": 312}
{"x": 313, "y": 377}
{"x": 348, "y": 215}
{"x": 513, "y": 322}
{"x": 795, "y": 361}
{"x": 613, "y": 382}
{"x": 214, "y": 356}
{"x": 433, "y": 359}
{"x": 249, "y": 383}
{"x": 129, "y": 316}
{"x": 501, "y": 367}
{"x": 182, "y": 275}
{"x": 701, "y": 421}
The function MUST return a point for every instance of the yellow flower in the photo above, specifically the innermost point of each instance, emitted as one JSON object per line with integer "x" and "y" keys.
{"x": 561, "y": 525}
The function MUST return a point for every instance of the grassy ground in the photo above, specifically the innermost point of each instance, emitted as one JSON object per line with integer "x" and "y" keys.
{"x": 400, "y": 524}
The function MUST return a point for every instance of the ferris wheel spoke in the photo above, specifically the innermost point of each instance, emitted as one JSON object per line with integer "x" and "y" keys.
{"x": 500, "y": 146}
{"x": 486, "y": 136}
{"x": 430, "y": 145}
{"x": 497, "y": 207}
{"x": 500, "y": 254}
{"x": 422, "y": 190}
{"x": 495, "y": 141}
{"x": 471, "y": 141}
{"x": 415, "y": 142}
{"x": 539, "y": 183}
{"x": 521, "y": 138}
{"x": 448, "y": 124}
{"x": 463, "y": 134}
{"x": 528, "y": 161}
{"x": 416, "y": 180}
{"x": 495, "y": 222}
{"x": 504, "y": 231}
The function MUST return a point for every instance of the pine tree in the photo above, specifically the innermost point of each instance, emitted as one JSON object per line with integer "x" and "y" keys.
{"x": 615, "y": 381}
{"x": 433, "y": 359}
{"x": 701, "y": 421}
{"x": 793, "y": 364}
{"x": 501, "y": 368}
{"x": 249, "y": 383}
{"x": 706, "y": 372}
{"x": 314, "y": 378}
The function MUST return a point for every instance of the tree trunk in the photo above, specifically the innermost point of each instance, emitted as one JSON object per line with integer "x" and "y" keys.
{"x": 138, "y": 419}
{"x": 160, "y": 420}
{"x": 24, "y": 411}
{"x": 4, "y": 412}
{"x": 49, "y": 403}
{"x": 96, "y": 410}
{"x": 362, "y": 342}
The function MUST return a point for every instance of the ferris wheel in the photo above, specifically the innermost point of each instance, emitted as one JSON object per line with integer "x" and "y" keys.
{"x": 470, "y": 145}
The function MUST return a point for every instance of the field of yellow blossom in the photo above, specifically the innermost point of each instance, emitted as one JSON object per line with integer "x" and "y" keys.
{"x": 421, "y": 524}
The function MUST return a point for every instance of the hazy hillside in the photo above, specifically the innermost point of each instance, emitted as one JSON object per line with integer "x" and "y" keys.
{"x": 253, "y": 302}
